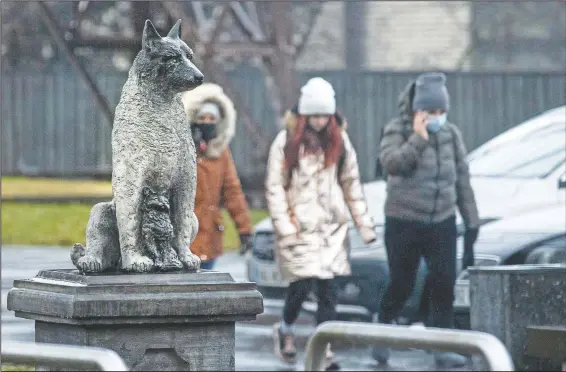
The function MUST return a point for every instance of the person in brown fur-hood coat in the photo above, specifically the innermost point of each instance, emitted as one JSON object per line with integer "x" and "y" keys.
{"x": 213, "y": 124}
{"x": 312, "y": 182}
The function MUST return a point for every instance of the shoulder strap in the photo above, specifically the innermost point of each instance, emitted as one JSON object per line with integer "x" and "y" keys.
{"x": 341, "y": 160}
{"x": 289, "y": 171}
{"x": 454, "y": 144}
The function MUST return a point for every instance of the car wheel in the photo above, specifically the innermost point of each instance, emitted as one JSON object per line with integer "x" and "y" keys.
{"x": 546, "y": 255}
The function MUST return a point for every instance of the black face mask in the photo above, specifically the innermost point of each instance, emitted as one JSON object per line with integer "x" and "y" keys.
{"x": 203, "y": 132}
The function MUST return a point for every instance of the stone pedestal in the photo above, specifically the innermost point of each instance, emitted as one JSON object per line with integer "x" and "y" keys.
{"x": 507, "y": 299}
{"x": 155, "y": 322}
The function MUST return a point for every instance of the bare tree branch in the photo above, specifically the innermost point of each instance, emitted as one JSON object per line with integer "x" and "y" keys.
{"x": 253, "y": 14}
{"x": 306, "y": 36}
{"x": 200, "y": 17}
{"x": 284, "y": 64}
{"x": 265, "y": 18}
{"x": 217, "y": 24}
{"x": 188, "y": 29}
{"x": 253, "y": 30}
{"x": 467, "y": 52}
{"x": 215, "y": 71}
{"x": 57, "y": 34}
{"x": 266, "y": 67}
{"x": 220, "y": 49}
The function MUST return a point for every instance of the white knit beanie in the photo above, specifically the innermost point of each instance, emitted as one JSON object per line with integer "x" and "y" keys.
{"x": 317, "y": 98}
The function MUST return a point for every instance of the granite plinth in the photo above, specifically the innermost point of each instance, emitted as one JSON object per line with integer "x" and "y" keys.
{"x": 505, "y": 300}
{"x": 169, "y": 321}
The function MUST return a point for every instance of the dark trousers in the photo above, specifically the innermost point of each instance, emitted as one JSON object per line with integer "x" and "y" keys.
{"x": 298, "y": 292}
{"x": 423, "y": 312}
{"x": 406, "y": 242}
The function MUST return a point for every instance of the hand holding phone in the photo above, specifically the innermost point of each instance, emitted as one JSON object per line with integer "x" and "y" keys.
{"x": 420, "y": 121}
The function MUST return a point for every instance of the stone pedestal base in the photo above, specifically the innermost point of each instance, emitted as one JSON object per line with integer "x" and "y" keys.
{"x": 169, "y": 322}
{"x": 505, "y": 300}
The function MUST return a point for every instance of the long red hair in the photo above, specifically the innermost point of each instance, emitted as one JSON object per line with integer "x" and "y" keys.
{"x": 329, "y": 140}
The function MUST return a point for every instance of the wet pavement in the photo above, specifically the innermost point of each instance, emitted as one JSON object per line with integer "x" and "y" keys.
{"x": 254, "y": 346}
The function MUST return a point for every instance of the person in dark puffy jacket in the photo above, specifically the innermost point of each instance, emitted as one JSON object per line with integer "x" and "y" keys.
{"x": 424, "y": 157}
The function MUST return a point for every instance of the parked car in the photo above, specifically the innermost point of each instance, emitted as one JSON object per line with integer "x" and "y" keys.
{"x": 519, "y": 171}
{"x": 534, "y": 237}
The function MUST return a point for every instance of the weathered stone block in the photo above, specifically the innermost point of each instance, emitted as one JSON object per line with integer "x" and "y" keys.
{"x": 507, "y": 299}
{"x": 171, "y": 321}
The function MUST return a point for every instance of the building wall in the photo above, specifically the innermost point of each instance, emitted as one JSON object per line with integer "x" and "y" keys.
{"x": 400, "y": 35}
{"x": 405, "y": 35}
{"x": 326, "y": 45}
{"x": 448, "y": 35}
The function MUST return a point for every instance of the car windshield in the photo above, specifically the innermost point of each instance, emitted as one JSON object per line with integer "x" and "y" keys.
{"x": 533, "y": 155}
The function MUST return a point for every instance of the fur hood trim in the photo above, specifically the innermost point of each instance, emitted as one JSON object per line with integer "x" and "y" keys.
{"x": 289, "y": 120}
{"x": 226, "y": 127}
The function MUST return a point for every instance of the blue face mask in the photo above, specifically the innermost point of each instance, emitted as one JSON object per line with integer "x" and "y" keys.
{"x": 435, "y": 122}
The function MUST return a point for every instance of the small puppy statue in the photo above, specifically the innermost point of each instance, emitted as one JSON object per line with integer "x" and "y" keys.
{"x": 157, "y": 230}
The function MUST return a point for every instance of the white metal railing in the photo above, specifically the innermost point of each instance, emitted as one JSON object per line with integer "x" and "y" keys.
{"x": 61, "y": 356}
{"x": 465, "y": 342}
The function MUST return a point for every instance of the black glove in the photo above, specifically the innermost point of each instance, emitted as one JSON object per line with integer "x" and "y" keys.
{"x": 470, "y": 237}
{"x": 245, "y": 243}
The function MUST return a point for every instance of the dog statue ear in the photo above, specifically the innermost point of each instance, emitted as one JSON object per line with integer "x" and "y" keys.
{"x": 175, "y": 30}
{"x": 150, "y": 34}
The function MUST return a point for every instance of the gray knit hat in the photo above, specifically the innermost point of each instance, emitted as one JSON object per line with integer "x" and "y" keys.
{"x": 431, "y": 93}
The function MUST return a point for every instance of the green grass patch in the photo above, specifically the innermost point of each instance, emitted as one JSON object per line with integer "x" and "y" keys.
{"x": 46, "y": 187}
{"x": 44, "y": 224}
{"x": 65, "y": 224}
{"x": 16, "y": 367}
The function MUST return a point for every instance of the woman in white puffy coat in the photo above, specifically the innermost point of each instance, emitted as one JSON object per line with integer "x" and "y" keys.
{"x": 312, "y": 180}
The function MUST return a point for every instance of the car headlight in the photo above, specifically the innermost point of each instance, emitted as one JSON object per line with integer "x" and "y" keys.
{"x": 351, "y": 291}
{"x": 263, "y": 246}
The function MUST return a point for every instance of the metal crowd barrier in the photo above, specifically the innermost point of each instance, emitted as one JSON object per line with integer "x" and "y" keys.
{"x": 61, "y": 356}
{"x": 465, "y": 342}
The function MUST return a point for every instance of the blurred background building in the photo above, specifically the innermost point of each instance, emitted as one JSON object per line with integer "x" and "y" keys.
{"x": 64, "y": 64}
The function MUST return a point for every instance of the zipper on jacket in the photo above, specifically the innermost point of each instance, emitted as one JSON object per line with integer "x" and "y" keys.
{"x": 437, "y": 178}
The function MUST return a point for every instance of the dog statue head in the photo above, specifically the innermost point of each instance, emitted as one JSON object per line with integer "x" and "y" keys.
{"x": 165, "y": 63}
